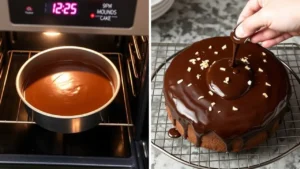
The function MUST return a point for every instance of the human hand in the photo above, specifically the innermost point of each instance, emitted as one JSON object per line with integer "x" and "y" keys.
{"x": 269, "y": 21}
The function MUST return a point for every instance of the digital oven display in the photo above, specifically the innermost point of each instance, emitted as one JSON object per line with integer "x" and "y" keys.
{"x": 95, "y": 13}
{"x": 63, "y": 8}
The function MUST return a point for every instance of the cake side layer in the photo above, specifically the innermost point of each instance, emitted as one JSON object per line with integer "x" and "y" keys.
{"x": 192, "y": 102}
{"x": 212, "y": 141}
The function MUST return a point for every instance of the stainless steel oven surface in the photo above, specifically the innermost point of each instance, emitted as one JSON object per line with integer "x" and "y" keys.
{"x": 116, "y": 29}
{"x": 128, "y": 17}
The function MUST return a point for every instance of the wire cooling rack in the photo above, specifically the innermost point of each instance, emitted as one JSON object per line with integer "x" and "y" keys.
{"x": 285, "y": 140}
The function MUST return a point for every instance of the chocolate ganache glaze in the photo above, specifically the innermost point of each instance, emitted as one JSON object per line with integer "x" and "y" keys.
{"x": 68, "y": 88}
{"x": 204, "y": 89}
{"x": 173, "y": 133}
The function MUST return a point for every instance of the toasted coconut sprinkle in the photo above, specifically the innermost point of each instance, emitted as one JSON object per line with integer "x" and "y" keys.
{"x": 219, "y": 111}
{"x": 226, "y": 80}
{"x": 193, "y": 61}
{"x": 216, "y": 52}
{"x": 222, "y": 69}
{"x": 213, "y": 62}
{"x": 189, "y": 69}
{"x": 198, "y": 59}
{"x": 190, "y": 84}
{"x": 249, "y": 82}
{"x": 234, "y": 108}
{"x": 197, "y": 53}
{"x": 247, "y": 67}
{"x": 210, "y": 108}
{"x": 265, "y": 95}
{"x": 212, "y": 104}
{"x": 263, "y": 53}
{"x": 210, "y": 47}
{"x": 249, "y": 55}
{"x": 211, "y": 93}
{"x": 245, "y": 60}
{"x": 260, "y": 70}
{"x": 200, "y": 97}
{"x": 224, "y": 47}
{"x": 179, "y": 81}
{"x": 265, "y": 60}
{"x": 268, "y": 84}
{"x": 198, "y": 76}
{"x": 204, "y": 64}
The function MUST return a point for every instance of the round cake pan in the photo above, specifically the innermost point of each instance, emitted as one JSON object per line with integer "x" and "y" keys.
{"x": 59, "y": 123}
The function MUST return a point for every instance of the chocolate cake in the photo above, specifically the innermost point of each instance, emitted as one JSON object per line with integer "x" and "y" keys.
{"x": 68, "y": 88}
{"x": 226, "y": 97}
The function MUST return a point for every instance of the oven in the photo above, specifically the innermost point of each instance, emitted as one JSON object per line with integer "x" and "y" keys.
{"x": 118, "y": 30}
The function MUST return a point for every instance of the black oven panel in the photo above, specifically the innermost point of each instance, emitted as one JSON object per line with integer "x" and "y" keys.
{"x": 95, "y": 13}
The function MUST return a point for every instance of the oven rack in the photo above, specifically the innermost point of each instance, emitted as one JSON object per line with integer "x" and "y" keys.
{"x": 285, "y": 140}
{"x": 20, "y": 116}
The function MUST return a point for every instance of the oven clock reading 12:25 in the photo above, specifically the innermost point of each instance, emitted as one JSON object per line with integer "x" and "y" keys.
{"x": 64, "y": 8}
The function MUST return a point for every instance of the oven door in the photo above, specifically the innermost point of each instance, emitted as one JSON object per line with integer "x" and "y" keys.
{"x": 120, "y": 141}
{"x": 51, "y": 167}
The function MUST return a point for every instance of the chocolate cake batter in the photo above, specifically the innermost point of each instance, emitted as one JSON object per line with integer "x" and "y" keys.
{"x": 68, "y": 88}
{"x": 205, "y": 90}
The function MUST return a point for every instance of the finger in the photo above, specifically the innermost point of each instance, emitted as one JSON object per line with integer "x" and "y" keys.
{"x": 251, "y": 24}
{"x": 297, "y": 33}
{"x": 251, "y": 7}
{"x": 275, "y": 41}
{"x": 264, "y": 35}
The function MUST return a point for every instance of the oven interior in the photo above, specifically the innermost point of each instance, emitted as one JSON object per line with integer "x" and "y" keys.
{"x": 120, "y": 140}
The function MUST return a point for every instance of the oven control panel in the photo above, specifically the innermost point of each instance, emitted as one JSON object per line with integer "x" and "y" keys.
{"x": 92, "y": 13}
